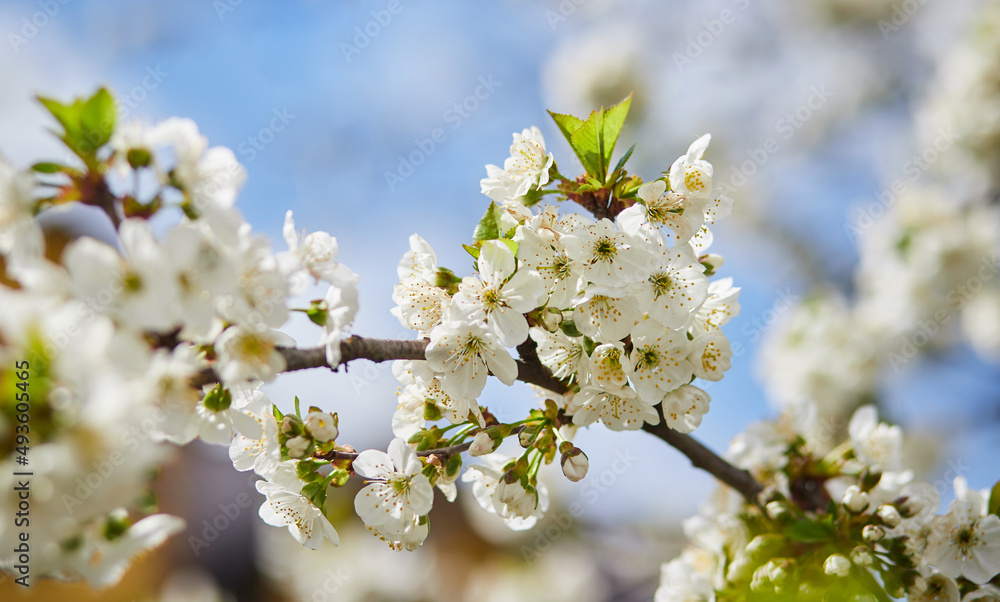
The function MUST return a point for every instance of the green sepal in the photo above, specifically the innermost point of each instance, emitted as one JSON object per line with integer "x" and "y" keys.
{"x": 317, "y": 312}
{"x": 453, "y": 465}
{"x": 116, "y": 526}
{"x": 569, "y": 328}
{"x": 218, "y": 399}
{"x": 431, "y": 412}
{"x": 308, "y": 470}
{"x": 315, "y": 492}
{"x": 339, "y": 477}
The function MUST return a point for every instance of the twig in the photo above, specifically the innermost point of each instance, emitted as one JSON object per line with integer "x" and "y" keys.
{"x": 529, "y": 370}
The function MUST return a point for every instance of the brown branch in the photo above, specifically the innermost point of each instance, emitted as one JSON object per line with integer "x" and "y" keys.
{"x": 707, "y": 460}
{"x": 529, "y": 370}
{"x": 354, "y": 348}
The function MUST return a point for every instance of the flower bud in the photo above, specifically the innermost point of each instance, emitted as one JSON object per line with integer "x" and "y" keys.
{"x": 551, "y": 320}
{"x": 526, "y": 506}
{"x": 482, "y": 444}
{"x": 761, "y": 581}
{"x": 873, "y": 533}
{"x": 321, "y": 426}
{"x": 575, "y": 464}
{"x": 527, "y": 436}
{"x": 739, "y": 569}
{"x": 778, "y": 511}
{"x": 855, "y": 500}
{"x": 837, "y": 564}
{"x": 509, "y": 490}
{"x": 297, "y": 446}
{"x": 764, "y": 546}
{"x": 290, "y": 424}
{"x": 889, "y": 515}
{"x": 711, "y": 263}
{"x": 910, "y": 506}
{"x": 861, "y": 556}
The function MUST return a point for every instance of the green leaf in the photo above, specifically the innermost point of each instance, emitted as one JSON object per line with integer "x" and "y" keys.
{"x": 67, "y": 115}
{"x": 567, "y": 124}
{"x": 593, "y": 141}
{"x": 474, "y": 251}
{"x": 586, "y": 143}
{"x": 97, "y": 119}
{"x": 994, "y": 507}
{"x": 614, "y": 120}
{"x": 624, "y": 159}
{"x": 47, "y": 167}
{"x": 297, "y": 412}
{"x": 489, "y": 226}
{"x": 510, "y": 245}
{"x": 808, "y": 531}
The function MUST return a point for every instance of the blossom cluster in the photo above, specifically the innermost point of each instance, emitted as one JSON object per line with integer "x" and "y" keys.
{"x": 120, "y": 336}
{"x": 621, "y": 311}
{"x": 835, "y": 522}
{"x": 166, "y": 334}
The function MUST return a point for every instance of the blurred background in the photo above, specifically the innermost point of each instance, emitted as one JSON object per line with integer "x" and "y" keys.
{"x": 823, "y": 114}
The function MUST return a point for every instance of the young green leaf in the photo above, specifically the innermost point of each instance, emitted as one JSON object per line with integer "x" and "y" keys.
{"x": 489, "y": 226}
{"x": 808, "y": 531}
{"x": 567, "y": 124}
{"x": 97, "y": 119}
{"x": 611, "y": 127}
{"x": 994, "y": 506}
{"x": 47, "y": 167}
{"x": 624, "y": 159}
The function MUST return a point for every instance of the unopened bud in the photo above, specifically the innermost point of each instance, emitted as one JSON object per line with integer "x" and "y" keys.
{"x": 889, "y": 515}
{"x": 837, "y": 564}
{"x": 778, "y": 512}
{"x": 482, "y": 444}
{"x": 764, "y": 546}
{"x": 575, "y": 464}
{"x": 910, "y": 506}
{"x": 873, "y": 533}
{"x": 322, "y": 426}
{"x": 297, "y": 446}
{"x": 855, "y": 500}
{"x": 861, "y": 556}
{"x": 711, "y": 262}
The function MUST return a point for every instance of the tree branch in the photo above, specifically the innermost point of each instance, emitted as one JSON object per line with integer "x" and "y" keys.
{"x": 529, "y": 370}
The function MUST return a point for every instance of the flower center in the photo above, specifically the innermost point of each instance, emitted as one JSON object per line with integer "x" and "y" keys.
{"x": 605, "y": 250}
{"x": 490, "y": 298}
{"x": 661, "y": 282}
{"x": 646, "y": 358}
